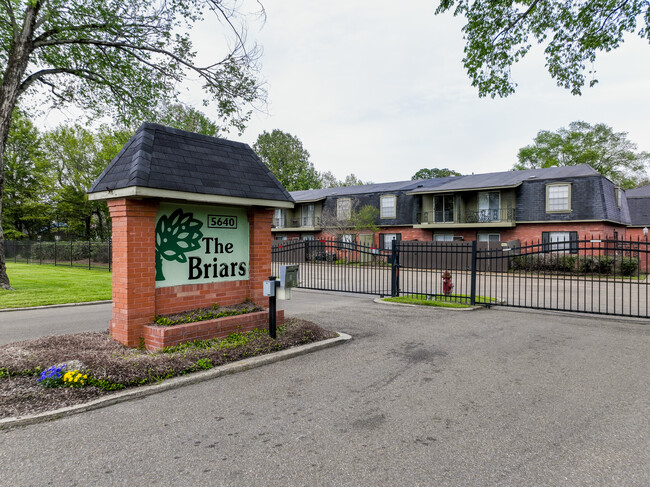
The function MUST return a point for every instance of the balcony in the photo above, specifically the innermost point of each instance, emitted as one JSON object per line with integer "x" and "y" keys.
{"x": 304, "y": 222}
{"x": 493, "y": 217}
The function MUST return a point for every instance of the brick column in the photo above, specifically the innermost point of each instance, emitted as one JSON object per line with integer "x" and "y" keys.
{"x": 134, "y": 268}
{"x": 259, "y": 221}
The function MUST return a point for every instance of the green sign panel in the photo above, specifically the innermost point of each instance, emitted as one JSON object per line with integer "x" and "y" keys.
{"x": 200, "y": 244}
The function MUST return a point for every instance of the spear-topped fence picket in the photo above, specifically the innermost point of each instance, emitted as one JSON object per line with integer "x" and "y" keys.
{"x": 592, "y": 275}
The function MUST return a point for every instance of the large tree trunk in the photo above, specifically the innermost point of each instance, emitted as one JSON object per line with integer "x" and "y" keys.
{"x": 21, "y": 48}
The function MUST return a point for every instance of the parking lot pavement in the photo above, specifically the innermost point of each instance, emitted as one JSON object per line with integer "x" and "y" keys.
{"x": 419, "y": 397}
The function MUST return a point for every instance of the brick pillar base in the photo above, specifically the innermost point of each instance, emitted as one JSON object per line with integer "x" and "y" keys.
{"x": 259, "y": 220}
{"x": 134, "y": 268}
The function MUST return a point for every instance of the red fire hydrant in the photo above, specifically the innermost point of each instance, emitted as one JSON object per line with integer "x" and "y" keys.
{"x": 447, "y": 285}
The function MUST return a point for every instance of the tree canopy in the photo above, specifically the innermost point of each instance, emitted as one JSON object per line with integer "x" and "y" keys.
{"x": 499, "y": 34}
{"x": 328, "y": 180}
{"x": 608, "y": 152}
{"x": 118, "y": 58}
{"x": 434, "y": 172}
{"x": 288, "y": 160}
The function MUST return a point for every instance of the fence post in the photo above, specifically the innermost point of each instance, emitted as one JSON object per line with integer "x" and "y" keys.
{"x": 88, "y": 254}
{"x": 394, "y": 269}
{"x": 70, "y": 253}
{"x": 472, "y": 298}
{"x": 54, "y": 252}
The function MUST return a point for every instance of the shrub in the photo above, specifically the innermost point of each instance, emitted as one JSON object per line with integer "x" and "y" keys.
{"x": 628, "y": 266}
{"x": 605, "y": 264}
{"x": 587, "y": 265}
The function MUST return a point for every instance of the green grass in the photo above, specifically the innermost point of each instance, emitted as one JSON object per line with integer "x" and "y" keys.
{"x": 39, "y": 285}
{"x": 451, "y": 301}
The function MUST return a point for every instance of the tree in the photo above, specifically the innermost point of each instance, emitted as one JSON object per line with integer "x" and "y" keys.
{"x": 26, "y": 205}
{"x": 434, "y": 172}
{"x": 328, "y": 180}
{"x": 116, "y": 57}
{"x": 364, "y": 218}
{"x": 76, "y": 156}
{"x": 608, "y": 152}
{"x": 499, "y": 34}
{"x": 181, "y": 116}
{"x": 288, "y": 160}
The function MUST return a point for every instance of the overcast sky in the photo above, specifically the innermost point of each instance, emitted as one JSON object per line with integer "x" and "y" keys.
{"x": 378, "y": 89}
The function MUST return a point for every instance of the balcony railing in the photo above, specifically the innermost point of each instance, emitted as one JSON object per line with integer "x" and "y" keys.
{"x": 474, "y": 216}
{"x": 306, "y": 221}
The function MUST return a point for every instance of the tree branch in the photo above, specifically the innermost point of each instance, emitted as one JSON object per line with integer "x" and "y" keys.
{"x": 519, "y": 18}
{"x": 12, "y": 17}
{"x": 204, "y": 72}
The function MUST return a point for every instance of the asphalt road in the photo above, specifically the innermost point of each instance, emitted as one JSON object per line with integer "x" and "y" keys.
{"x": 419, "y": 397}
{"x": 28, "y": 324}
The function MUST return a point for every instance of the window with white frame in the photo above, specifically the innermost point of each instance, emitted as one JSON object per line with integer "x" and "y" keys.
{"x": 386, "y": 240}
{"x": 343, "y": 209}
{"x": 488, "y": 237}
{"x": 558, "y": 197}
{"x": 346, "y": 242}
{"x": 280, "y": 218}
{"x": 307, "y": 215}
{"x": 388, "y": 206}
{"x": 560, "y": 242}
{"x": 443, "y": 237}
{"x": 488, "y": 206}
{"x": 443, "y": 208}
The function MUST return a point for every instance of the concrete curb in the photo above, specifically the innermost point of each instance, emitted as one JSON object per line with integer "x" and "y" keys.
{"x": 62, "y": 305}
{"x": 174, "y": 383}
{"x": 471, "y": 308}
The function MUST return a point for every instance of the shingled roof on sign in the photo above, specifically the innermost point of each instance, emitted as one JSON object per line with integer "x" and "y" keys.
{"x": 168, "y": 159}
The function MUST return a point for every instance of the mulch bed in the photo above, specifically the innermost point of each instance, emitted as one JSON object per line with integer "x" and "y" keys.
{"x": 103, "y": 358}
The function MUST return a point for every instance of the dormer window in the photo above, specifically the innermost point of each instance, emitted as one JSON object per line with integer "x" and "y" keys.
{"x": 388, "y": 207}
{"x": 558, "y": 197}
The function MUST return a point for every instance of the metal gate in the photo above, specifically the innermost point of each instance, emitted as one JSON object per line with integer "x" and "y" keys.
{"x": 335, "y": 265}
{"x": 596, "y": 275}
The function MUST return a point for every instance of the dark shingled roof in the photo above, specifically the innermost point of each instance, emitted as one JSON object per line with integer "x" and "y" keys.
{"x": 642, "y": 192}
{"x": 319, "y": 194}
{"x": 165, "y": 158}
{"x": 639, "y": 211}
{"x": 509, "y": 178}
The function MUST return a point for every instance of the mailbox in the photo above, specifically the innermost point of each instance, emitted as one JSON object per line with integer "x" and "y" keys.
{"x": 288, "y": 280}
{"x": 268, "y": 288}
{"x": 288, "y": 276}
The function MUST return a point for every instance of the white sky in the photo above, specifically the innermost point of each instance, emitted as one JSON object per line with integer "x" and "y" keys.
{"x": 379, "y": 89}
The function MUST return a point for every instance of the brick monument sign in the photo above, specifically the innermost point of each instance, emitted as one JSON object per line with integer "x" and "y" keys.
{"x": 191, "y": 218}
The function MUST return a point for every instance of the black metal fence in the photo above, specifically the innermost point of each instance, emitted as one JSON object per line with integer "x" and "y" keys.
{"x": 595, "y": 275}
{"x": 86, "y": 254}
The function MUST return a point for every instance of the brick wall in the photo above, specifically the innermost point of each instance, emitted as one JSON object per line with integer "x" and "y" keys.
{"x": 136, "y": 300}
{"x": 134, "y": 268}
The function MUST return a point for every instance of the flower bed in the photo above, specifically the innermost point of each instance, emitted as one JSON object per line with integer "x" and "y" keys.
{"x": 158, "y": 337}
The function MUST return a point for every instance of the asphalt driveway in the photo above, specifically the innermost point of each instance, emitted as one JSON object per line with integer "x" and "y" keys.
{"x": 418, "y": 397}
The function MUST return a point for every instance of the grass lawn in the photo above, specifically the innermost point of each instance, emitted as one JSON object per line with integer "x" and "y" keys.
{"x": 38, "y": 285}
{"x": 451, "y": 301}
